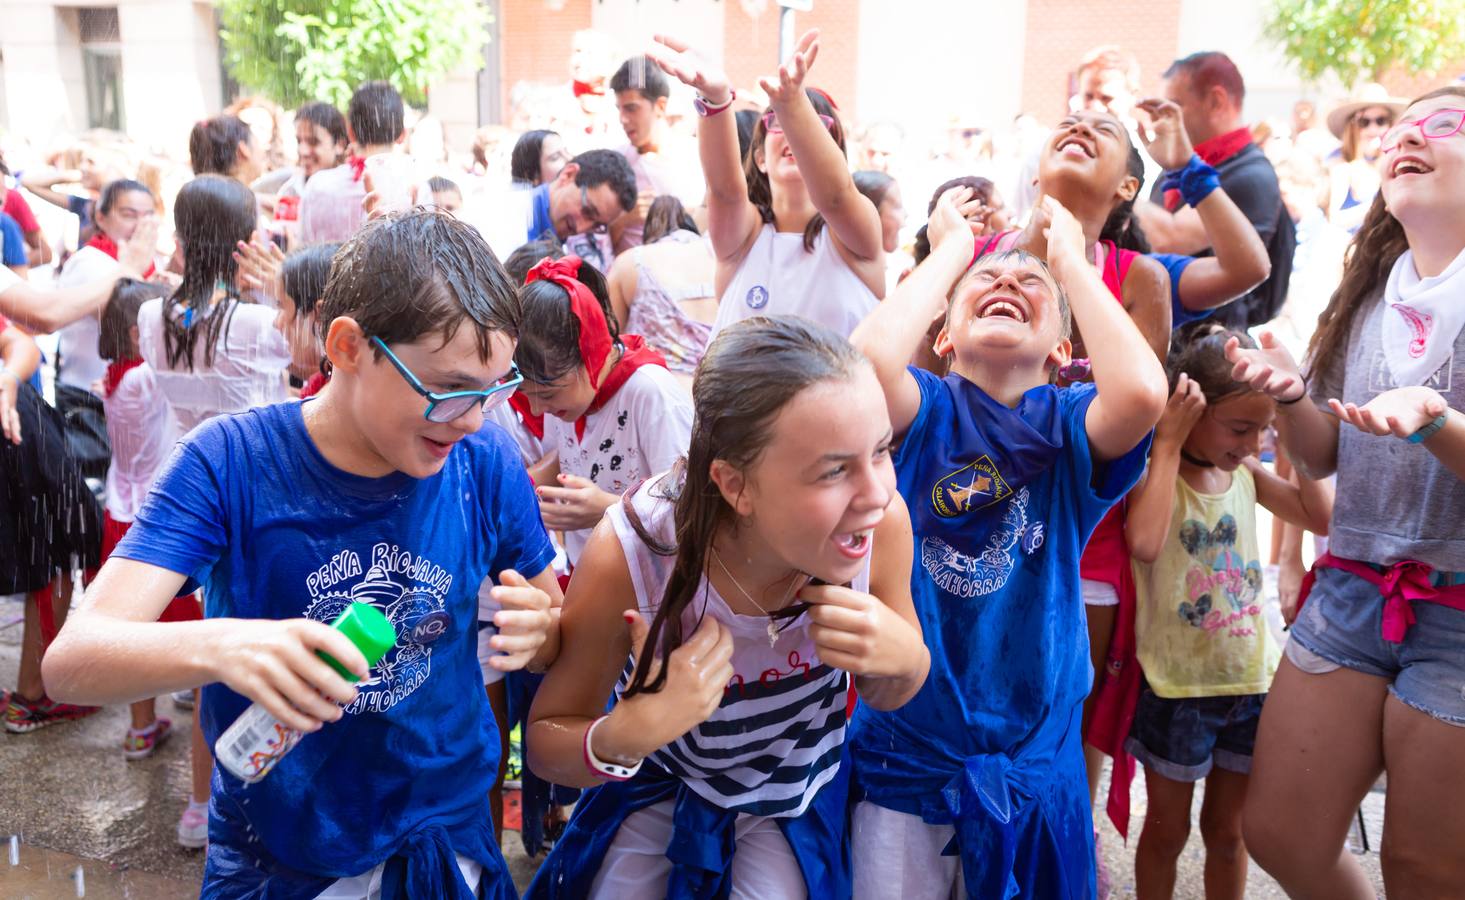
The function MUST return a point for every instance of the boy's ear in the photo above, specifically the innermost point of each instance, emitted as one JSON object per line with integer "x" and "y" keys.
{"x": 1062, "y": 354}
{"x": 731, "y": 483}
{"x": 943, "y": 345}
{"x": 661, "y": 105}
{"x": 346, "y": 345}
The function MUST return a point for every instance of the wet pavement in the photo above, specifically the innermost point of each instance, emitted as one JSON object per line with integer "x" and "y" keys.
{"x": 73, "y": 802}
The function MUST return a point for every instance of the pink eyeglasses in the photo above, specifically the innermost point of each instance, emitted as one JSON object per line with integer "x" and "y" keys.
{"x": 1441, "y": 123}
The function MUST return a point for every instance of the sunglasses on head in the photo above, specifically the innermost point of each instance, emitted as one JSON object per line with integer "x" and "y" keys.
{"x": 770, "y": 122}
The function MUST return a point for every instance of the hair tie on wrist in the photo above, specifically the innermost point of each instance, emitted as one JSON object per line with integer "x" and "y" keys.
{"x": 1296, "y": 399}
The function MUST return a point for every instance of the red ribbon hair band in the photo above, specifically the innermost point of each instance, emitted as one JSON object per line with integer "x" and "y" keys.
{"x": 595, "y": 344}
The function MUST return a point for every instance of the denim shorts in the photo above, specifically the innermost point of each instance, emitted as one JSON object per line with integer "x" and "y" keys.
{"x": 1341, "y": 623}
{"x": 1183, "y": 738}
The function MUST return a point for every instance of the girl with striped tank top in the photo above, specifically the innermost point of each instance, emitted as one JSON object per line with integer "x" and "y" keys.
{"x": 772, "y": 564}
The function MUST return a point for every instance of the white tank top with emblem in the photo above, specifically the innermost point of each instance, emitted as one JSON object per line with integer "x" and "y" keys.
{"x": 780, "y": 277}
{"x": 777, "y": 737}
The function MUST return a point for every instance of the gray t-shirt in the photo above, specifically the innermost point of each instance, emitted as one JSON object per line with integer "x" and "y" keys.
{"x": 1395, "y": 500}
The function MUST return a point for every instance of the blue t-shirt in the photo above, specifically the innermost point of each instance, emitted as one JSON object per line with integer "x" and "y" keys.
{"x": 249, "y": 506}
{"x": 1002, "y": 501}
{"x": 1176, "y": 264}
{"x": 12, "y": 242}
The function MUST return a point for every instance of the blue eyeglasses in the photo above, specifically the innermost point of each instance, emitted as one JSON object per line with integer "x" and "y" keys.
{"x": 449, "y": 406}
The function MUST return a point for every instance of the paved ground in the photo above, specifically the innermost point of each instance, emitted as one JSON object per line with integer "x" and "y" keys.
{"x": 73, "y": 803}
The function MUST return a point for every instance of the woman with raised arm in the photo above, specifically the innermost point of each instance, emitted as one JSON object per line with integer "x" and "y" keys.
{"x": 791, "y": 232}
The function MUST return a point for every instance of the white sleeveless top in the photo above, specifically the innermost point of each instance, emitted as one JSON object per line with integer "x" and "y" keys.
{"x": 777, "y": 736}
{"x": 780, "y": 277}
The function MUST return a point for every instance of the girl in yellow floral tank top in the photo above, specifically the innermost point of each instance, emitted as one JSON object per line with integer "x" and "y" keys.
{"x": 1202, "y": 641}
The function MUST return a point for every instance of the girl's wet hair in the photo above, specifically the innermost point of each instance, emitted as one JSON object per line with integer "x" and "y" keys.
{"x": 1122, "y": 227}
{"x": 305, "y": 274}
{"x": 114, "y": 342}
{"x": 211, "y": 215}
{"x": 417, "y": 273}
{"x": 213, "y": 145}
{"x": 114, "y": 191}
{"x": 549, "y": 333}
{"x": 981, "y": 190}
{"x": 760, "y": 191}
{"x": 665, "y": 216}
{"x": 1199, "y": 351}
{"x": 527, "y": 256}
{"x": 1379, "y": 243}
{"x": 751, "y": 371}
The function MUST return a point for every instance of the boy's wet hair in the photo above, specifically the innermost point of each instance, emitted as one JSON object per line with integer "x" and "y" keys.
{"x": 376, "y": 114}
{"x": 417, "y": 273}
{"x": 549, "y": 346}
{"x": 305, "y": 274}
{"x": 1023, "y": 257}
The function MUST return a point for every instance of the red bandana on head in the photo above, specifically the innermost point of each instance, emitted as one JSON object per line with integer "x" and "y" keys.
{"x": 109, "y": 247}
{"x": 595, "y": 341}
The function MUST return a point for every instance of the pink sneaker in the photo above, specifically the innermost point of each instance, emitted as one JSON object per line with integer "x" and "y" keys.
{"x": 193, "y": 826}
{"x": 141, "y": 744}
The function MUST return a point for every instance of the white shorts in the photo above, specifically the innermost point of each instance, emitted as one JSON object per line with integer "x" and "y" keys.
{"x": 368, "y": 885}
{"x": 898, "y": 857}
{"x": 1098, "y": 593}
{"x": 763, "y": 868}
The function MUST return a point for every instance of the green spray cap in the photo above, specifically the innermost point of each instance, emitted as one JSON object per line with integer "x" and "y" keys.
{"x": 365, "y": 626}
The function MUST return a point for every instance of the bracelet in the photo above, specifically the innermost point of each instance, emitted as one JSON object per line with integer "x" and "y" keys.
{"x": 1429, "y": 430}
{"x": 706, "y": 110}
{"x": 1195, "y": 181}
{"x": 599, "y": 767}
{"x": 1296, "y": 399}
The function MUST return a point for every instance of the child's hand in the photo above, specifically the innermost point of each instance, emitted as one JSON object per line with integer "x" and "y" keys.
{"x": 9, "y": 416}
{"x": 1064, "y": 236}
{"x": 1182, "y": 411}
{"x": 274, "y": 663}
{"x": 260, "y": 262}
{"x": 1289, "y": 588}
{"x": 137, "y": 252}
{"x": 1269, "y": 369}
{"x": 697, "y": 675}
{"x": 523, "y": 621}
{"x": 951, "y": 220}
{"x": 1399, "y": 412}
{"x": 578, "y": 504}
{"x": 854, "y": 631}
{"x": 789, "y": 84}
{"x": 691, "y": 68}
{"x": 1164, "y": 137}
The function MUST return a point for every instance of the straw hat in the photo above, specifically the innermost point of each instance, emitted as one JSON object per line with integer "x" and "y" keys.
{"x": 1371, "y": 95}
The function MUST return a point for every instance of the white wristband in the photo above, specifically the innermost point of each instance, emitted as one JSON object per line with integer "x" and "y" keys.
{"x": 601, "y": 768}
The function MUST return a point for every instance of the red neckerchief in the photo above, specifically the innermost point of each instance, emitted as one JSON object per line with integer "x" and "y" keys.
{"x": 581, "y": 88}
{"x": 532, "y": 423}
{"x": 358, "y": 167}
{"x": 115, "y": 371}
{"x": 1214, "y": 152}
{"x": 109, "y": 247}
{"x": 313, "y": 384}
{"x": 635, "y": 355}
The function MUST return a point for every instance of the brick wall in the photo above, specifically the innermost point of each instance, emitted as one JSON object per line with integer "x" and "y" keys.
{"x": 536, "y": 40}
{"x": 1060, "y": 32}
{"x": 751, "y": 47}
{"x": 1401, "y": 84}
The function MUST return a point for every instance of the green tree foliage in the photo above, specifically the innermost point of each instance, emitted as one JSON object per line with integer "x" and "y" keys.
{"x": 298, "y": 50}
{"x": 1360, "y": 40}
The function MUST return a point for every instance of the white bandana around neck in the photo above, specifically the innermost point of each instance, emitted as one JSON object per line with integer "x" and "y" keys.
{"x": 1423, "y": 318}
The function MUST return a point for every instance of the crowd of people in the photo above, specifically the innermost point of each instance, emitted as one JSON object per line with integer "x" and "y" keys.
{"x": 885, "y": 577}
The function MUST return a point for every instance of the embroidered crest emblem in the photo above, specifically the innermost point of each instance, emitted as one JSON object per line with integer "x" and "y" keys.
{"x": 976, "y": 485}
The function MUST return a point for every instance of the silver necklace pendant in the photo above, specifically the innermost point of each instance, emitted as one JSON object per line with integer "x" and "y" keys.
{"x": 772, "y": 634}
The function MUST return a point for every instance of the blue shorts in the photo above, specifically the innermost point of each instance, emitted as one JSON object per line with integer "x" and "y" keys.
{"x": 1341, "y": 622}
{"x": 1182, "y": 738}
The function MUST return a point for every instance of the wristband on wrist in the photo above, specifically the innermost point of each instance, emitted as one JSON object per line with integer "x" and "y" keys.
{"x": 1195, "y": 182}
{"x": 599, "y": 767}
{"x": 1429, "y": 430}
{"x": 706, "y": 110}
{"x": 1297, "y": 398}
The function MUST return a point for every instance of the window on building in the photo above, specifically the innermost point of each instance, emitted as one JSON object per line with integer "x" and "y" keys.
{"x": 101, "y": 59}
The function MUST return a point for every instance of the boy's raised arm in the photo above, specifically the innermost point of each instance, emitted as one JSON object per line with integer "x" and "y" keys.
{"x": 1132, "y": 388}
{"x": 891, "y": 333}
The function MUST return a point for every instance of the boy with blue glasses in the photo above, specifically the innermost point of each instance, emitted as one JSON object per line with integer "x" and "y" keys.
{"x": 381, "y": 489}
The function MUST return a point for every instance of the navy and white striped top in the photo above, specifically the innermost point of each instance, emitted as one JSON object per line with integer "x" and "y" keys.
{"x": 776, "y": 738}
